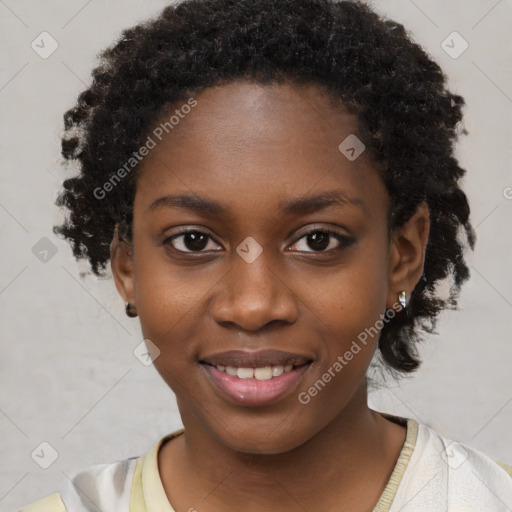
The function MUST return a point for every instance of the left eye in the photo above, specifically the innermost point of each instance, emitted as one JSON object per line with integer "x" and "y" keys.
{"x": 321, "y": 240}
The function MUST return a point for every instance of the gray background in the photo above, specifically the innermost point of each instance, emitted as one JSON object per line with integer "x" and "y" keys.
{"x": 68, "y": 375}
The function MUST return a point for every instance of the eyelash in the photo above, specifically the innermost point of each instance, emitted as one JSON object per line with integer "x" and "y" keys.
{"x": 344, "y": 241}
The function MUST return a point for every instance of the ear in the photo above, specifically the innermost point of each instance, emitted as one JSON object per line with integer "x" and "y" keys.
{"x": 407, "y": 254}
{"x": 121, "y": 262}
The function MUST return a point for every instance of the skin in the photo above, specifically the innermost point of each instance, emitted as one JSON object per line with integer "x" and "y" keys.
{"x": 250, "y": 147}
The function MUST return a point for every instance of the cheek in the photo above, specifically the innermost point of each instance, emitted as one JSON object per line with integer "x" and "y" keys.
{"x": 350, "y": 311}
{"x": 170, "y": 302}
{"x": 352, "y": 300}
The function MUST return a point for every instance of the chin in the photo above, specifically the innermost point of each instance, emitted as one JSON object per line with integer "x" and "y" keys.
{"x": 265, "y": 440}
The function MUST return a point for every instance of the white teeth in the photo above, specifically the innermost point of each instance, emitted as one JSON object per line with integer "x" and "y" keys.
{"x": 264, "y": 373}
{"x": 245, "y": 373}
{"x": 277, "y": 370}
{"x": 231, "y": 370}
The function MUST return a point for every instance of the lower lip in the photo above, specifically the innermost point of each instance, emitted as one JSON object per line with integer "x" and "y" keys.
{"x": 253, "y": 391}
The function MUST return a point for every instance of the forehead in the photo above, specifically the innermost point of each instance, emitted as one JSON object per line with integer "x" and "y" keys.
{"x": 251, "y": 143}
{"x": 246, "y": 113}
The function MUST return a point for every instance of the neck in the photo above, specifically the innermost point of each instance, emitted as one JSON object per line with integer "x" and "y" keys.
{"x": 355, "y": 450}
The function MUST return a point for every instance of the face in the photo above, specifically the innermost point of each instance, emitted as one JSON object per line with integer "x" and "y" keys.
{"x": 259, "y": 245}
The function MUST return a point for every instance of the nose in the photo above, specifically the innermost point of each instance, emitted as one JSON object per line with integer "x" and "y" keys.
{"x": 252, "y": 295}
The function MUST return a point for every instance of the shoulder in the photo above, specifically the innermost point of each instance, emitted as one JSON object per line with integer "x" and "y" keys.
{"x": 456, "y": 455}
{"x": 110, "y": 486}
{"x": 99, "y": 486}
{"x": 446, "y": 474}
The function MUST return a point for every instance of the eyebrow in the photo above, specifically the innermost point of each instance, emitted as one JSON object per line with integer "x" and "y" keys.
{"x": 301, "y": 205}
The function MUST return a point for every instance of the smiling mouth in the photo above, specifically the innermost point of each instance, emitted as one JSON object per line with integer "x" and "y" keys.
{"x": 255, "y": 385}
{"x": 259, "y": 365}
{"x": 258, "y": 373}
{"x": 255, "y": 378}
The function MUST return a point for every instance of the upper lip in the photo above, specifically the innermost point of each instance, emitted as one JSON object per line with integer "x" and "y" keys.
{"x": 255, "y": 359}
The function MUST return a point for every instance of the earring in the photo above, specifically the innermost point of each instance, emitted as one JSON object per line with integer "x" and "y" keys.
{"x": 402, "y": 299}
{"x": 128, "y": 309}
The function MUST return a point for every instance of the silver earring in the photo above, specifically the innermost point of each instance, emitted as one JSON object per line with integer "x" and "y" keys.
{"x": 402, "y": 299}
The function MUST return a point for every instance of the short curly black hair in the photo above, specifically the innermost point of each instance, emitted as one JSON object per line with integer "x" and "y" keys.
{"x": 408, "y": 121}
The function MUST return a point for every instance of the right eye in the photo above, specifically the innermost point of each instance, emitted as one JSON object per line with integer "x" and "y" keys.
{"x": 188, "y": 241}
